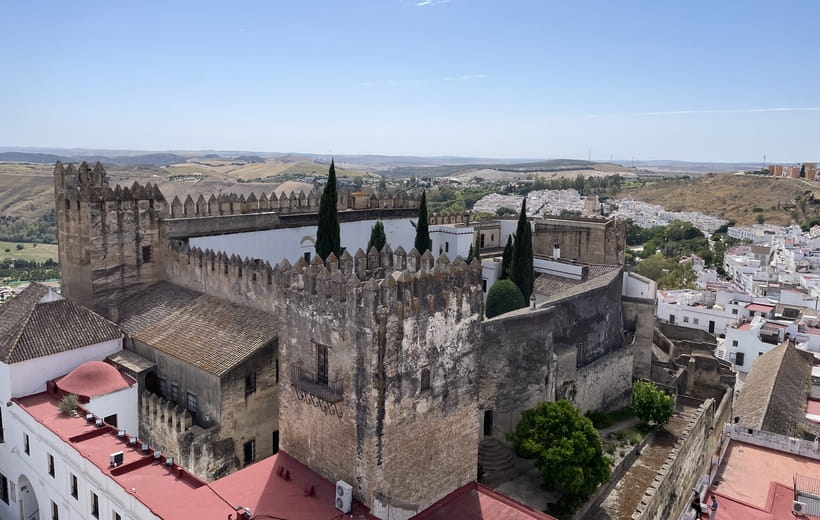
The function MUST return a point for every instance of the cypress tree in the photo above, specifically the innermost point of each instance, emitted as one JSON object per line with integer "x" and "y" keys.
{"x": 423, "y": 242}
{"x": 328, "y": 237}
{"x": 506, "y": 258}
{"x": 521, "y": 263}
{"x": 377, "y": 237}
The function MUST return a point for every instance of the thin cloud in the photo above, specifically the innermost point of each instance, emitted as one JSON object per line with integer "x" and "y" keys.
{"x": 718, "y": 111}
{"x": 396, "y": 82}
{"x": 432, "y": 3}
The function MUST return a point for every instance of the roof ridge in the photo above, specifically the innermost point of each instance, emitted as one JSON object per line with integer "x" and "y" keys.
{"x": 774, "y": 380}
{"x": 22, "y": 321}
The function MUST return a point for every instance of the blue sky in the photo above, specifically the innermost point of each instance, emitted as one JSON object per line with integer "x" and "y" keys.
{"x": 701, "y": 81}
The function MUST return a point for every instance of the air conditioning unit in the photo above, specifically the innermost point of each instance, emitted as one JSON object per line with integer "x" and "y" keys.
{"x": 169, "y": 461}
{"x": 121, "y": 434}
{"x": 798, "y": 507}
{"x": 157, "y": 455}
{"x": 99, "y": 423}
{"x": 344, "y": 496}
{"x": 116, "y": 459}
{"x": 132, "y": 441}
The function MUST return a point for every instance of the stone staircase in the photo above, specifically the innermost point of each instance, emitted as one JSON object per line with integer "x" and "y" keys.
{"x": 497, "y": 460}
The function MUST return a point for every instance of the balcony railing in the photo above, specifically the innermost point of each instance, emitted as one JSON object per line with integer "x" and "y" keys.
{"x": 330, "y": 391}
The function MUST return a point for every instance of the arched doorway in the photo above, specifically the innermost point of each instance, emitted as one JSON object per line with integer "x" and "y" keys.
{"x": 27, "y": 498}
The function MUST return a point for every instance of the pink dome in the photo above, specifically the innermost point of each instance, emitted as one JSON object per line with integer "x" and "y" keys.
{"x": 93, "y": 378}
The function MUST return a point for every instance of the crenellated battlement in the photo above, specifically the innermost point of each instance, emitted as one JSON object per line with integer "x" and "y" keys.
{"x": 233, "y": 204}
{"x": 85, "y": 184}
{"x": 383, "y": 278}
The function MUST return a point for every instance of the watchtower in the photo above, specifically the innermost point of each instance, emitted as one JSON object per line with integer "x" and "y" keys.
{"x": 379, "y": 355}
{"x": 108, "y": 238}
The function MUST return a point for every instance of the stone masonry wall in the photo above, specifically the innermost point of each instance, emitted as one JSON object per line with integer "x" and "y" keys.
{"x": 243, "y": 281}
{"x": 671, "y": 491}
{"x": 385, "y": 318}
{"x": 514, "y": 366}
{"x": 102, "y": 233}
{"x": 605, "y": 384}
{"x": 592, "y": 241}
{"x": 255, "y": 415}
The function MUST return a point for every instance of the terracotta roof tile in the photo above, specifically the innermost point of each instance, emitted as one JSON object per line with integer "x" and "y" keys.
{"x": 210, "y": 333}
{"x": 30, "y": 328}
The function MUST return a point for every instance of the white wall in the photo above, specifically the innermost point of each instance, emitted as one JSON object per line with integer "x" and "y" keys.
{"x": 29, "y": 377}
{"x": 275, "y": 245}
{"x": 450, "y": 240}
{"x": 123, "y": 403}
{"x": 14, "y": 463}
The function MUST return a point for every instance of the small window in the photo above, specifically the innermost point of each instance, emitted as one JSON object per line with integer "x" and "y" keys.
{"x": 250, "y": 383}
{"x": 447, "y": 247}
{"x": 26, "y": 445}
{"x": 68, "y": 204}
{"x": 481, "y": 241}
{"x": 277, "y": 370}
{"x": 4, "y": 488}
{"x": 307, "y": 256}
{"x": 163, "y": 387}
{"x": 483, "y": 285}
{"x": 734, "y": 311}
{"x": 695, "y": 321}
{"x": 192, "y": 403}
{"x": 95, "y": 505}
{"x": 740, "y": 358}
{"x": 686, "y": 319}
{"x": 174, "y": 392}
{"x": 2, "y": 439}
{"x": 321, "y": 364}
{"x": 492, "y": 237}
{"x": 73, "y": 484}
{"x": 249, "y": 451}
{"x": 115, "y": 516}
{"x": 112, "y": 420}
{"x": 760, "y": 353}
{"x": 55, "y": 512}
{"x": 734, "y": 342}
{"x": 276, "y": 441}
{"x": 51, "y": 465}
{"x": 147, "y": 254}
{"x": 425, "y": 379}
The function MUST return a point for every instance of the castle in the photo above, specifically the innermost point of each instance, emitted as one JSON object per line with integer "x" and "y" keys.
{"x": 378, "y": 367}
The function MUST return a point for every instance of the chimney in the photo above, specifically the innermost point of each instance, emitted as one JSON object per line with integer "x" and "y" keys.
{"x": 556, "y": 250}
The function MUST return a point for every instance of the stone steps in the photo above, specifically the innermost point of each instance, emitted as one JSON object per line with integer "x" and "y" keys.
{"x": 496, "y": 459}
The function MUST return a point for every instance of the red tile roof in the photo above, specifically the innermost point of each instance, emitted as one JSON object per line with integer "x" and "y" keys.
{"x": 172, "y": 493}
{"x": 760, "y": 307}
{"x": 474, "y": 501}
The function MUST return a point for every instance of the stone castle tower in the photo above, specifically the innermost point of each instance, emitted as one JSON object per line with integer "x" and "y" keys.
{"x": 379, "y": 355}
{"x": 108, "y": 238}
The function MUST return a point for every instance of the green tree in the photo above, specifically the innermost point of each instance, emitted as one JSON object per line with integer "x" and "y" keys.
{"x": 651, "y": 404}
{"x": 423, "y": 242}
{"x": 20, "y": 247}
{"x": 506, "y": 258}
{"x": 377, "y": 237}
{"x": 760, "y": 219}
{"x": 504, "y": 296}
{"x": 566, "y": 448}
{"x": 521, "y": 272}
{"x": 328, "y": 236}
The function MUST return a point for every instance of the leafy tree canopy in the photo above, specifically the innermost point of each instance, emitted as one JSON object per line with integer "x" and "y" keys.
{"x": 521, "y": 271}
{"x": 423, "y": 242}
{"x": 651, "y": 404}
{"x": 565, "y": 445}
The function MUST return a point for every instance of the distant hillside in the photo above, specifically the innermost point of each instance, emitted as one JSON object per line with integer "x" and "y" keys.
{"x": 454, "y": 170}
{"x": 742, "y": 198}
{"x": 25, "y": 157}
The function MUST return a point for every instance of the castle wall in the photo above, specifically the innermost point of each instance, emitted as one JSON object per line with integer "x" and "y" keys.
{"x": 384, "y": 318}
{"x": 202, "y": 451}
{"x": 245, "y": 282}
{"x": 514, "y": 366}
{"x": 108, "y": 238}
{"x": 592, "y": 241}
{"x": 251, "y": 416}
{"x": 590, "y": 319}
{"x": 692, "y": 455}
{"x": 604, "y": 384}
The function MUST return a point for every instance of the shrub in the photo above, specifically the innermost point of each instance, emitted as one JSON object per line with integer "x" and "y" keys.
{"x": 504, "y": 296}
{"x": 69, "y": 403}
